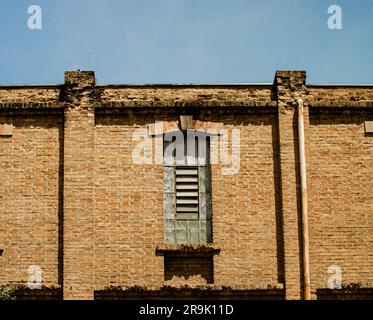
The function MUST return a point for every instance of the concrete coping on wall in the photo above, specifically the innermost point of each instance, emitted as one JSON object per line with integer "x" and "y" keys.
{"x": 192, "y": 294}
{"x": 184, "y": 103}
{"x": 201, "y": 287}
{"x": 341, "y": 104}
{"x": 145, "y": 85}
{"x": 32, "y": 105}
{"x": 181, "y": 85}
{"x": 31, "y": 86}
{"x": 346, "y": 85}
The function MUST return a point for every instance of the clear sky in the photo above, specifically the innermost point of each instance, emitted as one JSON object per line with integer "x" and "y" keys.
{"x": 186, "y": 41}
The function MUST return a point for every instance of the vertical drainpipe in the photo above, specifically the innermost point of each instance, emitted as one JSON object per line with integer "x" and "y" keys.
{"x": 303, "y": 182}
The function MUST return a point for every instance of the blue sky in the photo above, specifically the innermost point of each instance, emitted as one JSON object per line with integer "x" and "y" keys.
{"x": 186, "y": 41}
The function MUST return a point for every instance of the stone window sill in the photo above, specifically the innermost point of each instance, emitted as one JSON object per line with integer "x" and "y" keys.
{"x": 195, "y": 250}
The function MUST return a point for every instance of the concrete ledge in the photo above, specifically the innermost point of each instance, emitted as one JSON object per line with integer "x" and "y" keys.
{"x": 185, "y": 103}
{"x": 32, "y": 105}
{"x": 353, "y": 293}
{"x": 340, "y": 104}
{"x": 368, "y": 127}
{"x": 38, "y": 294}
{"x": 187, "y": 293}
{"x": 187, "y": 249}
{"x": 6, "y": 129}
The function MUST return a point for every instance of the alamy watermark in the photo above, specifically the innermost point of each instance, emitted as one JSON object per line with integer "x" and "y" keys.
{"x": 34, "y": 21}
{"x": 35, "y": 277}
{"x": 190, "y": 147}
{"x": 335, "y": 278}
{"x": 335, "y": 20}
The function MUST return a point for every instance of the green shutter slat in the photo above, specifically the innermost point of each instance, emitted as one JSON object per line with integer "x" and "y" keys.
{"x": 193, "y": 231}
{"x": 169, "y": 179}
{"x": 181, "y": 232}
{"x": 203, "y": 231}
{"x": 169, "y": 201}
{"x": 188, "y": 194}
{"x": 169, "y": 231}
{"x": 208, "y": 231}
{"x": 169, "y": 205}
{"x": 187, "y": 171}
{"x": 187, "y": 187}
{"x": 186, "y": 179}
{"x": 187, "y": 216}
{"x": 204, "y": 178}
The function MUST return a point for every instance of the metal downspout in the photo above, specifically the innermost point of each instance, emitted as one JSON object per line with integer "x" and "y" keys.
{"x": 303, "y": 182}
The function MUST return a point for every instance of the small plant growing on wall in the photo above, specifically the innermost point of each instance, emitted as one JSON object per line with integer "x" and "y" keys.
{"x": 6, "y": 293}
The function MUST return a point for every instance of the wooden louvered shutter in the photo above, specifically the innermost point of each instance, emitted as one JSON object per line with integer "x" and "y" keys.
{"x": 187, "y": 203}
{"x": 187, "y": 192}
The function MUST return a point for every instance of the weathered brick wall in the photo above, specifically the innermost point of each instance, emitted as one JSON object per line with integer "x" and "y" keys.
{"x": 73, "y": 189}
{"x": 32, "y": 94}
{"x": 177, "y": 94}
{"x": 29, "y": 201}
{"x": 340, "y": 173}
{"x": 128, "y": 206}
{"x": 244, "y": 209}
{"x": 187, "y": 269}
{"x": 346, "y": 94}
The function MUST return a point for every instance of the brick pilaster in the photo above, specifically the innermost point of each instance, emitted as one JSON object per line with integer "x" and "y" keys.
{"x": 290, "y": 86}
{"x": 78, "y": 265}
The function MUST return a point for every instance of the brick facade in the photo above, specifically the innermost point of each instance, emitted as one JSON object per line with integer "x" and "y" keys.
{"x": 76, "y": 205}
